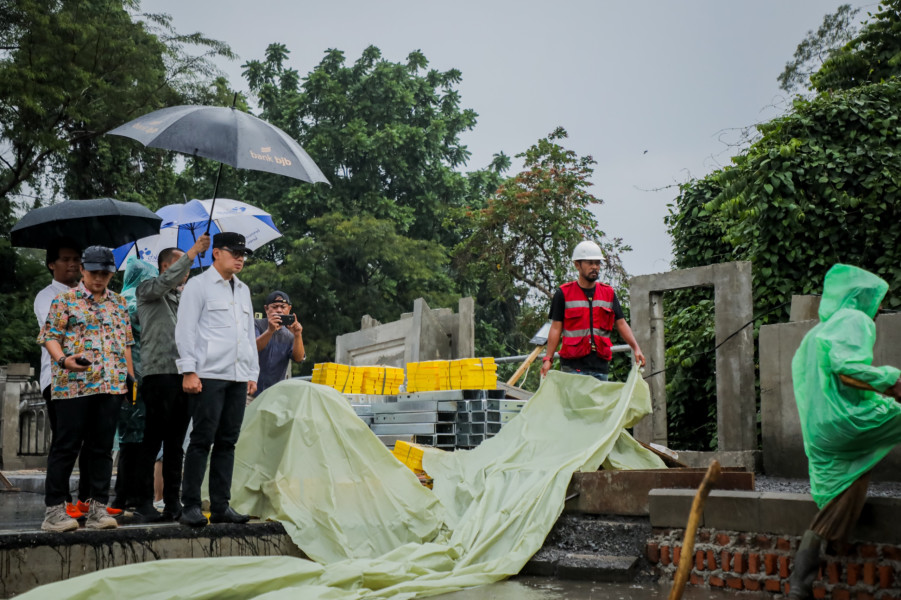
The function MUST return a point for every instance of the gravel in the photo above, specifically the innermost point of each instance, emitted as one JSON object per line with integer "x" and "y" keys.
{"x": 762, "y": 483}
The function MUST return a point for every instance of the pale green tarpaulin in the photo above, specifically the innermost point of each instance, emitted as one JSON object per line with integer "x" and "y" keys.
{"x": 846, "y": 431}
{"x": 306, "y": 459}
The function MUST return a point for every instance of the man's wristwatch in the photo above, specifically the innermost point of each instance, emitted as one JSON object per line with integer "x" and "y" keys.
{"x": 548, "y": 358}
{"x": 62, "y": 361}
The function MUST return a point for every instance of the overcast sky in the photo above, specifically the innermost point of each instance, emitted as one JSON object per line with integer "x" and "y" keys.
{"x": 654, "y": 90}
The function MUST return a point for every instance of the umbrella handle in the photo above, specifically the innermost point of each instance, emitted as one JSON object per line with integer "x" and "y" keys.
{"x": 213, "y": 207}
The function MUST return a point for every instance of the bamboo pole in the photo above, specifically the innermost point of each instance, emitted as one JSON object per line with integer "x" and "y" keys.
{"x": 525, "y": 365}
{"x": 691, "y": 530}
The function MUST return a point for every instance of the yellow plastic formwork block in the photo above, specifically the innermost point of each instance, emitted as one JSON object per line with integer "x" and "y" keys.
{"x": 411, "y": 454}
{"x": 359, "y": 380}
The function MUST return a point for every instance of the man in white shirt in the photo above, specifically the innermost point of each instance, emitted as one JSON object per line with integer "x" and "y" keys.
{"x": 217, "y": 358}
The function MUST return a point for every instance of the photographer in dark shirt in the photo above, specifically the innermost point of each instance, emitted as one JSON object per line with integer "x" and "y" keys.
{"x": 279, "y": 340}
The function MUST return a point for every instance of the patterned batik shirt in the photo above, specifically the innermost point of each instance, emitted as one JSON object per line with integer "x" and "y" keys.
{"x": 98, "y": 327}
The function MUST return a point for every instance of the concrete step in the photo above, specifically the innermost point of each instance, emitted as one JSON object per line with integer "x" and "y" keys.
{"x": 604, "y": 548}
{"x": 586, "y": 567}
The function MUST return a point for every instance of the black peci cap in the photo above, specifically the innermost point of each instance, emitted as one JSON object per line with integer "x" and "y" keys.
{"x": 98, "y": 258}
{"x": 230, "y": 240}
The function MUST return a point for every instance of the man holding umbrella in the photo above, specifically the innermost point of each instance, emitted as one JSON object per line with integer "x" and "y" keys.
{"x": 88, "y": 336}
{"x": 166, "y": 401}
{"x": 218, "y": 361}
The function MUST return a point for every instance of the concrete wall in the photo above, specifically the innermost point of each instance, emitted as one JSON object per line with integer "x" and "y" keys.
{"x": 28, "y": 560}
{"x": 424, "y": 334}
{"x": 783, "y": 448}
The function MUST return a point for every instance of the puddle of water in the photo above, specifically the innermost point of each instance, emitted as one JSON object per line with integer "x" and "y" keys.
{"x": 540, "y": 588}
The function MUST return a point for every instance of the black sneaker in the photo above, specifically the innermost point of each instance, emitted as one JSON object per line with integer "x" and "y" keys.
{"x": 171, "y": 512}
{"x": 192, "y": 517}
{"x": 229, "y": 515}
{"x": 147, "y": 513}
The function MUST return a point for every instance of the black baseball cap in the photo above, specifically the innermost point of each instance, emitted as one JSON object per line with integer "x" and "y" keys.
{"x": 277, "y": 296}
{"x": 98, "y": 258}
{"x": 231, "y": 241}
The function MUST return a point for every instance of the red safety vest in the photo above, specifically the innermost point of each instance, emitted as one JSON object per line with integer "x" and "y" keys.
{"x": 587, "y": 325}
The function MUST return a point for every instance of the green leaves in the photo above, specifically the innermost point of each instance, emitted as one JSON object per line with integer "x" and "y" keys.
{"x": 532, "y": 222}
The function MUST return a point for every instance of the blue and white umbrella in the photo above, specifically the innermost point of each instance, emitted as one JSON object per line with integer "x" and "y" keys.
{"x": 184, "y": 223}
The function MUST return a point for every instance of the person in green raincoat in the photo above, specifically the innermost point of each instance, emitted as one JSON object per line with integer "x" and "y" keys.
{"x": 846, "y": 430}
{"x": 133, "y": 412}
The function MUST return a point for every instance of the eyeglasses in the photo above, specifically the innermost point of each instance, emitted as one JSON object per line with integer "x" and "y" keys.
{"x": 235, "y": 253}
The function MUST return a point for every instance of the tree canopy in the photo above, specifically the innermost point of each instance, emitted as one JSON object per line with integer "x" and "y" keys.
{"x": 70, "y": 70}
{"x": 387, "y": 136}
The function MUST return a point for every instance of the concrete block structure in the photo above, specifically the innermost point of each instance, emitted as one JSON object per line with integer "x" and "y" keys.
{"x": 736, "y": 397}
{"x": 424, "y": 334}
{"x": 24, "y": 426}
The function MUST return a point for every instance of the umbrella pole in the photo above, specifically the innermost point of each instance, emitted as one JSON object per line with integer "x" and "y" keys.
{"x": 215, "y": 192}
{"x": 218, "y": 177}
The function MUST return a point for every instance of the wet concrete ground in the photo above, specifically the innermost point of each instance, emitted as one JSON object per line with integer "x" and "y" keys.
{"x": 539, "y": 588}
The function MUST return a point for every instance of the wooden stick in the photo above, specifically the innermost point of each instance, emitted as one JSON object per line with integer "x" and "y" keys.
{"x": 7, "y": 485}
{"x": 856, "y": 383}
{"x": 691, "y": 530}
{"x": 525, "y": 365}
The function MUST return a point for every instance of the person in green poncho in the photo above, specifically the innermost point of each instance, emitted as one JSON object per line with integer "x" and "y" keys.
{"x": 846, "y": 430}
{"x": 132, "y": 413}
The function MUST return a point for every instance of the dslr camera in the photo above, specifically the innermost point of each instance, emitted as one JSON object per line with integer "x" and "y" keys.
{"x": 286, "y": 320}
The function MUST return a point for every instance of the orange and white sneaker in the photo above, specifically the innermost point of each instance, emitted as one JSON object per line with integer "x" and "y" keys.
{"x": 73, "y": 511}
{"x": 84, "y": 507}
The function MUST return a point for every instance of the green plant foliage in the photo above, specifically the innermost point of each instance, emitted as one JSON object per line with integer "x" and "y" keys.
{"x": 386, "y": 134}
{"x": 872, "y": 56}
{"x": 525, "y": 234}
{"x": 816, "y": 189}
{"x": 837, "y": 29}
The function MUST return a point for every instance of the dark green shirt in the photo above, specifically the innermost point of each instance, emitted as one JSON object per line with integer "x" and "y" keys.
{"x": 158, "y": 312}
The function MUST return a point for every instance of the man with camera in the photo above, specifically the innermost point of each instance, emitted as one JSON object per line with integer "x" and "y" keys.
{"x": 279, "y": 340}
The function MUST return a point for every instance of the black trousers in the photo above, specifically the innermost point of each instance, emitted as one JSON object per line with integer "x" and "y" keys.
{"x": 86, "y": 424}
{"x": 217, "y": 412}
{"x": 128, "y": 475}
{"x": 167, "y": 422}
{"x": 84, "y": 491}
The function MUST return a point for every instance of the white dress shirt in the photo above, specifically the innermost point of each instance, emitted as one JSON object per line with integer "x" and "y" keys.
{"x": 215, "y": 334}
{"x": 42, "y": 304}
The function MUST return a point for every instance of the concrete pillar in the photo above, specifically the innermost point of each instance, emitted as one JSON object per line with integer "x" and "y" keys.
{"x": 735, "y": 397}
{"x": 465, "y": 342}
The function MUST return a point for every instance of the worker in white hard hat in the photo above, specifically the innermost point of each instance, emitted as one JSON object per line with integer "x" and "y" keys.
{"x": 583, "y": 314}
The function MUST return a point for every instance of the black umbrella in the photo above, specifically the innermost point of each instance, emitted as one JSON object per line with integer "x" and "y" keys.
{"x": 227, "y": 135}
{"x": 102, "y": 222}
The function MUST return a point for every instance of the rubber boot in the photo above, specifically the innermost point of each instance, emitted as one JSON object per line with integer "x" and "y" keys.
{"x": 805, "y": 567}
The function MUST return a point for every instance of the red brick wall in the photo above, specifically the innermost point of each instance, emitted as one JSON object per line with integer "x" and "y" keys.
{"x": 762, "y": 562}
